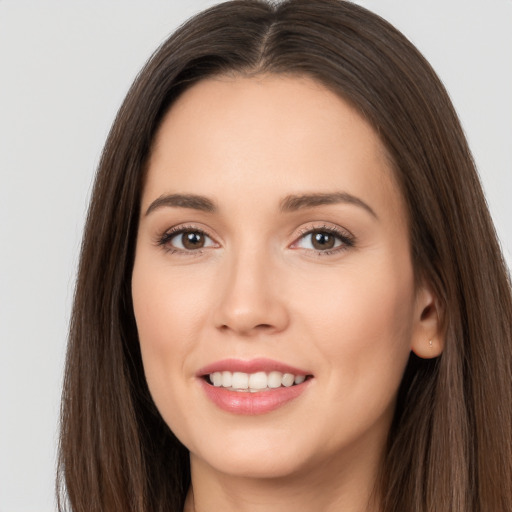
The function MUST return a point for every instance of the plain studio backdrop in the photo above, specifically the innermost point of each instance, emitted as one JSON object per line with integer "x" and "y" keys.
{"x": 64, "y": 70}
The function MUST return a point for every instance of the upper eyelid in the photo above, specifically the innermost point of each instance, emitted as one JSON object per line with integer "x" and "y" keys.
{"x": 307, "y": 229}
{"x": 346, "y": 238}
{"x": 324, "y": 227}
{"x": 312, "y": 226}
{"x": 176, "y": 230}
{"x": 331, "y": 228}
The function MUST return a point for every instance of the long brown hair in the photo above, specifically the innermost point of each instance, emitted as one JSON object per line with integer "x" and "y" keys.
{"x": 450, "y": 445}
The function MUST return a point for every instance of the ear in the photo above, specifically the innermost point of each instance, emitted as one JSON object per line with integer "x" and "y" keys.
{"x": 427, "y": 339}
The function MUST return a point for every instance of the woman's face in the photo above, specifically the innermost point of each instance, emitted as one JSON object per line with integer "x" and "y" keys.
{"x": 273, "y": 248}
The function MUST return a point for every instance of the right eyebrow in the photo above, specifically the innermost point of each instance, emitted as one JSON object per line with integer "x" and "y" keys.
{"x": 192, "y": 201}
{"x": 296, "y": 202}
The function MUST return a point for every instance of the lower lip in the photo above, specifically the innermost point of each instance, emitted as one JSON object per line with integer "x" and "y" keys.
{"x": 261, "y": 402}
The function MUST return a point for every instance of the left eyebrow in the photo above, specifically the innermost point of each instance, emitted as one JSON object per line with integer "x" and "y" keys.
{"x": 191, "y": 201}
{"x": 293, "y": 203}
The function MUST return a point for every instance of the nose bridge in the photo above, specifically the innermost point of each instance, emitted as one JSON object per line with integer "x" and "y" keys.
{"x": 250, "y": 300}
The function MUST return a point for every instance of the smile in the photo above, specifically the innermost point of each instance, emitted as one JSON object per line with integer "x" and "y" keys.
{"x": 254, "y": 382}
{"x": 252, "y": 387}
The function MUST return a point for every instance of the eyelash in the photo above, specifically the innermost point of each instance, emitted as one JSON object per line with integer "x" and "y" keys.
{"x": 346, "y": 238}
{"x": 165, "y": 238}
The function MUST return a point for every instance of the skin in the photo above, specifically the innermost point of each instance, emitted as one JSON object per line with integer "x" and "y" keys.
{"x": 259, "y": 288}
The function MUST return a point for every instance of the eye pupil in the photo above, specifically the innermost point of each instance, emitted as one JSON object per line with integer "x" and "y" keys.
{"x": 192, "y": 240}
{"x": 322, "y": 240}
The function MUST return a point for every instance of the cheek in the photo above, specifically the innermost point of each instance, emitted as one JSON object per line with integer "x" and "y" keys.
{"x": 151, "y": 303}
{"x": 167, "y": 303}
{"x": 362, "y": 322}
{"x": 361, "y": 329}
{"x": 167, "y": 314}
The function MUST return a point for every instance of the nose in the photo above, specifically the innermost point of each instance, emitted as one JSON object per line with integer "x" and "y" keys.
{"x": 251, "y": 300}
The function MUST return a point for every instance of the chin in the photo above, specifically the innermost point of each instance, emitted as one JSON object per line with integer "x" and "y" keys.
{"x": 253, "y": 454}
{"x": 251, "y": 465}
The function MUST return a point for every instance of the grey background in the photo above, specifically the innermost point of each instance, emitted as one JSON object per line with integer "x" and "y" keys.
{"x": 64, "y": 70}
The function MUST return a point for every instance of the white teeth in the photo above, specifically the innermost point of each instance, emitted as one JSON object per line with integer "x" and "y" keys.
{"x": 240, "y": 380}
{"x": 227, "y": 379}
{"x": 258, "y": 380}
{"x": 254, "y": 382}
{"x": 216, "y": 379}
{"x": 275, "y": 379}
{"x": 288, "y": 379}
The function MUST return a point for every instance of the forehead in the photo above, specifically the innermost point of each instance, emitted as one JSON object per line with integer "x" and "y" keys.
{"x": 267, "y": 136}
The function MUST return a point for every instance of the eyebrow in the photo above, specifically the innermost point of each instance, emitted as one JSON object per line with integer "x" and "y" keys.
{"x": 289, "y": 204}
{"x": 191, "y": 201}
{"x": 298, "y": 202}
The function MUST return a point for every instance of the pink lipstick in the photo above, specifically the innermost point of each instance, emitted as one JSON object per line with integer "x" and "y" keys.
{"x": 252, "y": 387}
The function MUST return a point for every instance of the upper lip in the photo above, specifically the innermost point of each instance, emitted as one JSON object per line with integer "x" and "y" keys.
{"x": 250, "y": 366}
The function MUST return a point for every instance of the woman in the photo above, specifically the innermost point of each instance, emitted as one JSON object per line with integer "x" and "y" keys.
{"x": 290, "y": 292}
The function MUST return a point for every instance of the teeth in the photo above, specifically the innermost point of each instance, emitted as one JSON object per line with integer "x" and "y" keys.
{"x": 227, "y": 379}
{"x": 253, "y": 382}
{"x": 258, "y": 380}
{"x": 288, "y": 379}
{"x": 217, "y": 379}
{"x": 300, "y": 379}
{"x": 240, "y": 380}
{"x": 275, "y": 379}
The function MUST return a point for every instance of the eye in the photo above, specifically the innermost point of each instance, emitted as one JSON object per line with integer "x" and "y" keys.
{"x": 324, "y": 240}
{"x": 185, "y": 240}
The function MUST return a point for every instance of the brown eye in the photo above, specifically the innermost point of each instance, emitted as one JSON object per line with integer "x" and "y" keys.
{"x": 186, "y": 240}
{"x": 192, "y": 240}
{"x": 321, "y": 240}
{"x": 325, "y": 240}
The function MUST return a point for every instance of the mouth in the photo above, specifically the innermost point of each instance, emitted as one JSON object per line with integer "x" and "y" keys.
{"x": 254, "y": 382}
{"x": 252, "y": 387}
